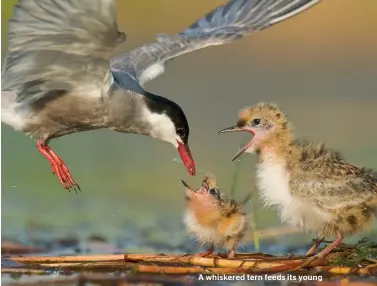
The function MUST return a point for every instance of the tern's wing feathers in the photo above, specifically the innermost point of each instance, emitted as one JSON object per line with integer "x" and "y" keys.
{"x": 59, "y": 46}
{"x": 221, "y": 26}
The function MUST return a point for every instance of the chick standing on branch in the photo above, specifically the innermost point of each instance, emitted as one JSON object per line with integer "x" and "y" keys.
{"x": 213, "y": 219}
{"x": 313, "y": 187}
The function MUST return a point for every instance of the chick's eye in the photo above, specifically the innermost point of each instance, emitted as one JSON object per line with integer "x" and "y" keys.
{"x": 255, "y": 122}
{"x": 213, "y": 191}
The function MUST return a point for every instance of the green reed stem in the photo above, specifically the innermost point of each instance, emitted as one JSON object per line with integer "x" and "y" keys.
{"x": 235, "y": 179}
{"x": 253, "y": 221}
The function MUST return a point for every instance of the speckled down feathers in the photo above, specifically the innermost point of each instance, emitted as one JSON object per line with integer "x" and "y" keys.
{"x": 313, "y": 187}
{"x": 328, "y": 182}
{"x": 223, "y": 226}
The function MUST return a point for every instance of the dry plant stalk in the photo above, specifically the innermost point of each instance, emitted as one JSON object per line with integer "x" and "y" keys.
{"x": 182, "y": 264}
{"x": 242, "y": 257}
{"x": 187, "y": 264}
{"x": 10, "y": 247}
{"x": 245, "y": 263}
{"x": 140, "y": 268}
{"x": 84, "y": 265}
{"x": 22, "y": 271}
{"x": 78, "y": 258}
{"x": 185, "y": 270}
{"x": 348, "y": 270}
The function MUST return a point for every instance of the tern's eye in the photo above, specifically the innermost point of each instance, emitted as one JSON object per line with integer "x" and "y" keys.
{"x": 255, "y": 122}
{"x": 180, "y": 131}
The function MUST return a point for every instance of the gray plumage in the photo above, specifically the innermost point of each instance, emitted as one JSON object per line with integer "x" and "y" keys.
{"x": 59, "y": 76}
{"x": 221, "y": 26}
{"x": 59, "y": 45}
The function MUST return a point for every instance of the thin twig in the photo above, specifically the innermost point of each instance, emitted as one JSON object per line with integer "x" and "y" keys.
{"x": 182, "y": 264}
{"x": 288, "y": 267}
{"x": 184, "y": 270}
{"x": 210, "y": 261}
{"x": 10, "y": 247}
{"x": 347, "y": 270}
{"x": 141, "y": 268}
{"x": 78, "y": 258}
{"x": 23, "y": 271}
{"x": 371, "y": 260}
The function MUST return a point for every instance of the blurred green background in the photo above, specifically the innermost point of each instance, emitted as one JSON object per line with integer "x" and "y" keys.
{"x": 319, "y": 66}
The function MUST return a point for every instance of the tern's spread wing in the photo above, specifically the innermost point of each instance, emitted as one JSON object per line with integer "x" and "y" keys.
{"x": 56, "y": 46}
{"x": 221, "y": 26}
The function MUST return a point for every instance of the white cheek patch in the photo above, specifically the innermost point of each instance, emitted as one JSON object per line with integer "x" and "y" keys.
{"x": 162, "y": 127}
{"x": 177, "y": 138}
{"x": 174, "y": 141}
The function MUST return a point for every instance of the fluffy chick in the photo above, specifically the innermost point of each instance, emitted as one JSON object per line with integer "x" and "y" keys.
{"x": 213, "y": 219}
{"x": 312, "y": 187}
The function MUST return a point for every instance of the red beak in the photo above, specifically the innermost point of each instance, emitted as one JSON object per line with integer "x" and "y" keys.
{"x": 185, "y": 153}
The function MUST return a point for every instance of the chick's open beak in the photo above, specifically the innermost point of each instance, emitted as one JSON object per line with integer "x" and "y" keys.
{"x": 187, "y": 186}
{"x": 230, "y": 129}
{"x": 239, "y": 129}
{"x": 185, "y": 153}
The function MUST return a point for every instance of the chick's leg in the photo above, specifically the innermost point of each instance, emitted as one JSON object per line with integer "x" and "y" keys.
{"x": 333, "y": 245}
{"x": 232, "y": 253}
{"x": 210, "y": 250}
{"x": 315, "y": 246}
{"x": 321, "y": 254}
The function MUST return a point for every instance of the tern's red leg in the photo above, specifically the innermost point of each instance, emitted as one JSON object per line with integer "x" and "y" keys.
{"x": 57, "y": 165}
{"x": 63, "y": 169}
{"x": 315, "y": 246}
{"x": 41, "y": 148}
{"x": 210, "y": 250}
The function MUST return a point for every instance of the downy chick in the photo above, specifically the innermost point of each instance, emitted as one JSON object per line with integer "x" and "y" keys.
{"x": 312, "y": 187}
{"x": 213, "y": 219}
